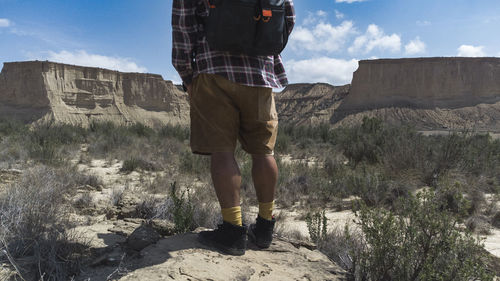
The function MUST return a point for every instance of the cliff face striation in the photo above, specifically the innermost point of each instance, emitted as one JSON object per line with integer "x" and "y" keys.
{"x": 47, "y": 91}
{"x": 431, "y": 93}
{"x": 309, "y": 104}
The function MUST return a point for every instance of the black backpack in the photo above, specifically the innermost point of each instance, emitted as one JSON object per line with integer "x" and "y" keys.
{"x": 250, "y": 27}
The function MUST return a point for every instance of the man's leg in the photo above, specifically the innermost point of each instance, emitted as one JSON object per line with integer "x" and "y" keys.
{"x": 226, "y": 178}
{"x": 231, "y": 236}
{"x": 265, "y": 177}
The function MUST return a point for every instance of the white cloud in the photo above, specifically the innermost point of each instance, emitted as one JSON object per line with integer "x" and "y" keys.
{"x": 321, "y": 13}
{"x": 322, "y": 37}
{"x": 313, "y": 18}
{"x": 416, "y": 46}
{"x": 339, "y": 15}
{"x": 85, "y": 59}
{"x": 4, "y": 22}
{"x": 348, "y": 1}
{"x": 323, "y": 69}
{"x": 471, "y": 51}
{"x": 375, "y": 38}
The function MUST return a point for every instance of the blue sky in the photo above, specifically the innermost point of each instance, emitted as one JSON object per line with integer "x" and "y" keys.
{"x": 329, "y": 39}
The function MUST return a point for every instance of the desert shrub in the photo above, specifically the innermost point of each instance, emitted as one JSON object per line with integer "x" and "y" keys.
{"x": 283, "y": 141}
{"x": 452, "y": 199}
{"x": 339, "y": 245}
{"x": 116, "y": 196}
{"x": 373, "y": 187}
{"x": 207, "y": 211}
{"x": 159, "y": 184}
{"x": 177, "y": 207}
{"x": 362, "y": 143}
{"x": 10, "y": 126}
{"x": 182, "y": 209}
{"x": 82, "y": 179}
{"x": 178, "y": 132}
{"x": 150, "y": 208}
{"x": 194, "y": 164}
{"x": 292, "y": 184}
{"x": 105, "y": 137}
{"x": 419, "y": 242}
{"x": 44, "y": 142}
{"x": 316, "y": 225}
{"x": 481, "y": 155}
{"x": 141, "y": 130}
{"x": 448, "y": 152}
{"x": 495, "y": 220}
{"x": 83, "y": 200}
{"x": 405, "y": 149}
{"x": 135, "y": 163}
{"x": 34, "y": 220}
{"x": 478, "y": 224}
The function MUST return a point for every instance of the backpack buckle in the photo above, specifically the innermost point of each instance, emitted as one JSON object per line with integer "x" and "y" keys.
{"x": 266, "y": 15}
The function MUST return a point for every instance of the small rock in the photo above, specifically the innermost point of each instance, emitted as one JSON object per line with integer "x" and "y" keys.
{"x": 165, "y": 228}
{"x": 142, "y": 237}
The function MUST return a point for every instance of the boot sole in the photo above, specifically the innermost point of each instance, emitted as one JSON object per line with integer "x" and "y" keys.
{"x": 222, "y": 248}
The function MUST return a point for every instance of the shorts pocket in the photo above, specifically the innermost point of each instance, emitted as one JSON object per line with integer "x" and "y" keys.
{"x": 267, "y": 107}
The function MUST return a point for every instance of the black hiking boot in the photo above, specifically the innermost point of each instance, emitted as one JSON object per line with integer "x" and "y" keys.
{"x": 228, "y": 238}
{"x": 261, "y": 232}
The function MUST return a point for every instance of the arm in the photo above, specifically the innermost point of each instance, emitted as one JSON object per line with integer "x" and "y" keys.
{"x": 290, "y": 15}
{"x": 184, "y": 36}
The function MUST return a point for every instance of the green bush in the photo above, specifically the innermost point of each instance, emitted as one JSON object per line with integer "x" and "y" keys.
{"x": 418, "y": 242}
{"x": 44, "y": 142}
{"x": 11, "y": 126}
{"x": 194, "y": 164}
{"x": 105, "y": 137}
{"x": 133, "y": 164}
{"x": 178, "y": 132}
{"x": 316, "y": 225}
{"x": 141, "y": 130}
{"x": 182, "y": 209}
{"x": 363, "y": 143}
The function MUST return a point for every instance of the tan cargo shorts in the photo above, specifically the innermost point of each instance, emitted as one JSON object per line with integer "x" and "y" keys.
{"x": 223, "y": 112}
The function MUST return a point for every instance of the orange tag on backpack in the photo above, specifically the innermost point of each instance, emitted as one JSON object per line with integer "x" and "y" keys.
{"x": 267, "y": 13}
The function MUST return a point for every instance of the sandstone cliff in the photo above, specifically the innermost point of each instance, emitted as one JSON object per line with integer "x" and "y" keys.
{"x": 424, "y": 83}
{"x": 47, "y": 91}
{"x": 431, "y": 93}
{"x": 309, "y": 104}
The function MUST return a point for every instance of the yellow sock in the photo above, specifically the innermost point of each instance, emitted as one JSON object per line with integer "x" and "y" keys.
{"x": 232, "y": 215}
{"x": 266, "y": 210}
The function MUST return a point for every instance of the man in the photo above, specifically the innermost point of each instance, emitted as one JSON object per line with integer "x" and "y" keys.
{"x": 231, "y": 99}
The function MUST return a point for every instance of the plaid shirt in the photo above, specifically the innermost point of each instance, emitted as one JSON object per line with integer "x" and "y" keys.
{"x": 260, "y": 71}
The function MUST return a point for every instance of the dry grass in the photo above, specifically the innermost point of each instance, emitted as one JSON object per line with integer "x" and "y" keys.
{"x": 34, "y": 226}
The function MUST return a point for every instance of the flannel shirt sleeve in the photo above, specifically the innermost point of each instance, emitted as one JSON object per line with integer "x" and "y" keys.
{"x": 184, "y": 37}
{"x": 290, "y": 15}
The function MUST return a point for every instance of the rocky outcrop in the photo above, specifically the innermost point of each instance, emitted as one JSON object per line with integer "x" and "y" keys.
{"x": 430, "y": 93}
{"x": 47, "y": 91}
{"x": 182, "y": 257}
{"x": 309, "y": 104}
